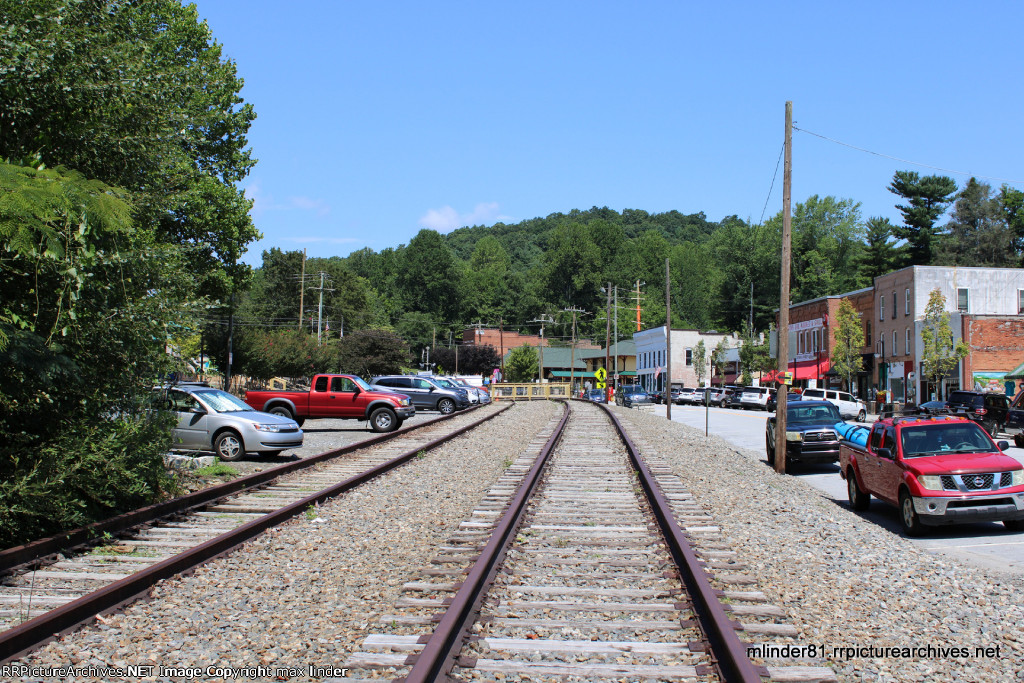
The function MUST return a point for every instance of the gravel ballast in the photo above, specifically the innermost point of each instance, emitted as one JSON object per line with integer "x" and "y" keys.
{"x": 845, "y": 582}
{"x": 304, "y": 593}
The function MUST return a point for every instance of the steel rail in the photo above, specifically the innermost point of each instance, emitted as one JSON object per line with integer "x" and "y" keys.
{"x": 436, "y": 659}
{"x": 67, "y": 540}
{"x": 729, "y": 652}
{"x": 29, "y": 635}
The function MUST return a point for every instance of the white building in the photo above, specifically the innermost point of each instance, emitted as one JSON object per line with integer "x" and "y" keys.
{"x": 651, "y": 356}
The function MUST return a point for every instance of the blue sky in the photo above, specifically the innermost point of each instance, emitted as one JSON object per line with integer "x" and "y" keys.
{"x": 376, "y": 119}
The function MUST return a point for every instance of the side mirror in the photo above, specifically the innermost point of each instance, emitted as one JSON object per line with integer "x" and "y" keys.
{"x": 1003, "y": 445}
{"x": 199, "y": 411}
{"x": 884, "y": 453}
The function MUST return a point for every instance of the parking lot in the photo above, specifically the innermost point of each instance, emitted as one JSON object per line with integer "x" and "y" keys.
{"x": 987, "y": 545}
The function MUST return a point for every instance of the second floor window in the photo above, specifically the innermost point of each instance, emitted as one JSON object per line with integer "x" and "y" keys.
{"x": 894, "y": 305}
{"x": 963, "y": 300}
{"x": 689, "y": 357}
{"x": 906, "y": 301}
{"x": 881, "y": 307}
{"x": 907, "y": 343}
{"x": 895, "y": 344}
{"x": 867, "y": 333}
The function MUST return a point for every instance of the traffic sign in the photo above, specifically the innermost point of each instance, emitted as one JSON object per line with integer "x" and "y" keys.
{"x": 601, "y": 375}
{"x": 601, "y": 385}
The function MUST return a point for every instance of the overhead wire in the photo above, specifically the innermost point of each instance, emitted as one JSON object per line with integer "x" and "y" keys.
{"x": 907, "y": 161}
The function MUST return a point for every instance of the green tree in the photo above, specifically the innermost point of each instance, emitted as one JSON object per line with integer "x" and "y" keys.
{"x": 754, "y": 356}
{"x": 1011, "y": 203}
{"x": 718, "y": 359}
{"x": 472, "y": 359}
{"x": 827, "y": 234}
{"x": 939, "y": 355}
{"x": 849, "y": 338}
{"x": 372, "y": 352}
{"x": 977, "y": 233}
{"x": 521, "y": 365}
{"x": 700, "y": 362}
{"x": 879, "y": 255}
{"x": 571, "y": 267}
{"x": 88, "y": 301}
{"x": 927, "y": 198}
{"x": 428, "y": 280}
{"x": 136, "y": 95}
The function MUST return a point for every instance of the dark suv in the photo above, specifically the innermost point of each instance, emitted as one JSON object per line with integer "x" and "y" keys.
{"x": 426, "y": 393}
{"x": 988, "y": 410}
{"x": 629, "y": 395}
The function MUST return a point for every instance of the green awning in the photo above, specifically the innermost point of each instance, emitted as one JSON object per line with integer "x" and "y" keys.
{"x": 627, "y": 373}
{"x": 577, "y": 373}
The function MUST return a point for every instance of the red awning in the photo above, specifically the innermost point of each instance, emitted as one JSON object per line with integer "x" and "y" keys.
{"x": 805, "y": 369}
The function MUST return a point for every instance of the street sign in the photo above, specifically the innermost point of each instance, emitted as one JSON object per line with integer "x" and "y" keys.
{"x": 601, "y": 385}
{"x": 787, "y": 378}
{"x": 601, "y": 376}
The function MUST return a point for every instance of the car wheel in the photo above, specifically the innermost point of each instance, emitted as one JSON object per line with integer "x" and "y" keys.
{"x": 989, "y": 426}
{"x": 384, "y": 420}
{"x": 723, "y": 404}
{"x": 1014, "y": 524}
{"x": 769, "y": 449}
{"x": 300, "y": 420}
{"x": 908, "y": 516}
{"x": 862, "y": 416}
{"x": 282, "y": 411}
{"x": 229, "y": 446}
{"x": 446, "y": 406}
{"x": 859, "y": 500}
{"x": 1018, "y": 440}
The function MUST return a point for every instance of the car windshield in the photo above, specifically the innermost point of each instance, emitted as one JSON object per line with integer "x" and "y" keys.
{"x": 361, "y": 383}
{"x": 819, "y": 413}
{"x": 936, "y": 439}
{"x": 222, "y": 401}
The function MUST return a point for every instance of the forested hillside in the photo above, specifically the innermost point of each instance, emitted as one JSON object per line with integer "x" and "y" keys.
{"x": 723, "y": 273}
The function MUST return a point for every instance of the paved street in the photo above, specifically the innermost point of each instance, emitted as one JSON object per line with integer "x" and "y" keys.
{"x": 987, "y": 544}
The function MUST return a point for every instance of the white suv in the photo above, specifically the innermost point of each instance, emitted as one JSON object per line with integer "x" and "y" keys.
{"x": 756, "y": 397}
{"x": 850, "y": 408}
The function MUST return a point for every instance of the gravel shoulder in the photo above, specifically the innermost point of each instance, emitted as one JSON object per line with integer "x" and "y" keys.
{"x": 304, "y": 593}
{"x": 844, "y": 582}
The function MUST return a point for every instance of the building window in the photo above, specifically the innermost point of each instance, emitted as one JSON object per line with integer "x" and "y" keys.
{"x": 963, "y": 301}
{"x": 689, "y": 357}
{"x": 906, "y": 301}
{"x": 895, "y": 344}
{"x": 881, "y": 307}
{"x": 1020, "y": 301}
{"x": 907, "y": 346}
{"x": 867, "y": 333}
{"x": 894, "y": 305}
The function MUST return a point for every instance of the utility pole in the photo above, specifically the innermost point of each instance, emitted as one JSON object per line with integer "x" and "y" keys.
{"x": 540, "y": 347}
{"x": 607, "y": 336}
{"x": 302, "y": 286}
{"x": 320, "y": 313}
{"x": 501, "y": 343}
{"x": 615, "y": 299}
{"x": 231, "y": 329}
{"x": 668, "y": 343}
{"x": 783, "y": 361}
{"x": 572, "y": 353}
{"x": 636, "y": 295}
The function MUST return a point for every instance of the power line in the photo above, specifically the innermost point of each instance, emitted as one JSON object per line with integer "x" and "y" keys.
{"x": 907, "y": 161}
{"x": 775, "y": 175}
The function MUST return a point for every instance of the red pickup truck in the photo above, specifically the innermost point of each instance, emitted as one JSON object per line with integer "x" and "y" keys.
{"x": 337, "y": 396}
{"x": 937, "y": 470}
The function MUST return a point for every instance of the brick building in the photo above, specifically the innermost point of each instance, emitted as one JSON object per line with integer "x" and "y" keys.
{"x": 997, "y": 348}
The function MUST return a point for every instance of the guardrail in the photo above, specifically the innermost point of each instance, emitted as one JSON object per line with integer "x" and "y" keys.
{"x": 503, "y": 391}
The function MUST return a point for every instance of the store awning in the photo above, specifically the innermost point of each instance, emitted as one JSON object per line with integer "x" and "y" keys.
{"x": 577, "y": 373}
{"x": 627, "y": 373}
{"x": 805, "y": 369}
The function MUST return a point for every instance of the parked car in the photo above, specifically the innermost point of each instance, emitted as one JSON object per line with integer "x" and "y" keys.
{"x": 988, "y": 410}
{"x": 811, "y": 435}
{"x": 1015, "y": 420}
{"x": 426, "y": 393}
{"x": 718, "y": 396}
{"x": 936, "y": 470}
{"x": 758, "y": 397}
{"x": 933, "y": 408}
{"x": 676, "y": 393}
{"x": 686, "y": 395}
{"x": 213, "y": 420}
{"x": 849, "y": 407}
{"x": 449, "y": 383}
{"x": 345, "y": 397}
{"x": 736, "y": 400}
{"x": 597, "y": 396}
{"x": 629, "y": 395}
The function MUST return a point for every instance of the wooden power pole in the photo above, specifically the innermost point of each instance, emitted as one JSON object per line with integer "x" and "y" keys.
{"x": 668, "y": 343}
{"x": 783, "y": 332}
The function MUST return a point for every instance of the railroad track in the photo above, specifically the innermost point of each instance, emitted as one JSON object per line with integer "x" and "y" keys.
{"x": 588, "y": 562}
{"x": 54, "y": 585}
